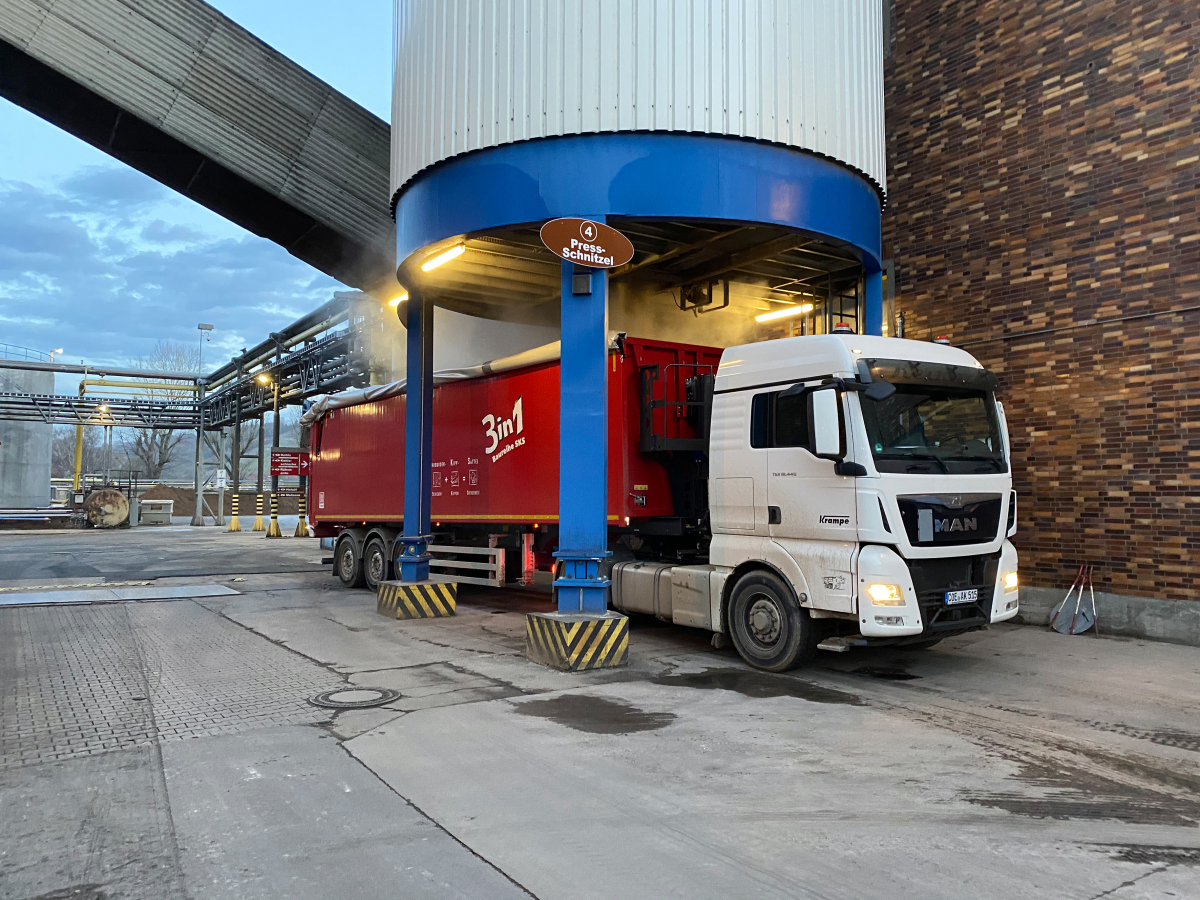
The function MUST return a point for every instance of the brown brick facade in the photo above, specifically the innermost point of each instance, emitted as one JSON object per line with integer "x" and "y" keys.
{"x": 1043, "y": 162}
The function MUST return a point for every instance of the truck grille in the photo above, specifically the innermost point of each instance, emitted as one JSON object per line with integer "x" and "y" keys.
{"x": 936, "y": 520}
{"x": 933, "y": 577}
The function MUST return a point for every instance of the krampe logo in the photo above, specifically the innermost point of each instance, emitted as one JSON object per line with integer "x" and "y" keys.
{"x": 835, "y": 520}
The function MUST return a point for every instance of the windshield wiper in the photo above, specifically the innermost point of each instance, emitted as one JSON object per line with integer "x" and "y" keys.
{"x": 929, "y": 456}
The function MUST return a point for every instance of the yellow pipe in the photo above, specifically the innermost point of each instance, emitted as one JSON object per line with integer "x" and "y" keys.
{"x": 78, "y": 455}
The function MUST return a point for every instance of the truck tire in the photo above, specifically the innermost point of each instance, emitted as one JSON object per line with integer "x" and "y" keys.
{"x": 347, "y": 563}
{"x": 768, "y": 627}
{"x": 374, "y": 564}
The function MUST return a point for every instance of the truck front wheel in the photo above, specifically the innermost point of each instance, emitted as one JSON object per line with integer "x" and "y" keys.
{"x": 768, "y": 627}
{"x": 348, "y": 563}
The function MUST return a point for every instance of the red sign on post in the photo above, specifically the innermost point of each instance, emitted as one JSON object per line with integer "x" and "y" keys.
{"x": 588, "y": 243}
{"x": 288, "y": 461}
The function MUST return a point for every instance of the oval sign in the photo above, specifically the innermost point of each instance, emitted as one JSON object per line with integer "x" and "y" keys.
{"x": 588, "y": 243}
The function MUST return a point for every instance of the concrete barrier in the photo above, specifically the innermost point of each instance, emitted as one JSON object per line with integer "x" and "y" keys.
{"x": 1175, "y": 621}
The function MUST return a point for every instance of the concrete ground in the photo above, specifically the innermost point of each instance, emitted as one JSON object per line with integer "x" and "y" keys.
{"x": 163, "y": 748}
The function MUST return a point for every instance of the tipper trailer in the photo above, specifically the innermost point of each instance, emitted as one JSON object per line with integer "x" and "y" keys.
{"x": 824, "y": 491}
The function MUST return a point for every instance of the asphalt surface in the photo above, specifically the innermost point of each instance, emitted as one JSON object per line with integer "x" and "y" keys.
{"x": 147, "y": 552}
{"x": 167, "y": 748}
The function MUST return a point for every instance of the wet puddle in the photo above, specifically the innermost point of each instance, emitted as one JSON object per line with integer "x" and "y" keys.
{"x": 1061, "y": 791}
{"x": 760, "y": 685}
{"x": 596, "y": 715}
{"x": 1152, "y": 855}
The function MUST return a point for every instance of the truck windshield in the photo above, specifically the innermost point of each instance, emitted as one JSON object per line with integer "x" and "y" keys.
{"x": 925, "y": 428}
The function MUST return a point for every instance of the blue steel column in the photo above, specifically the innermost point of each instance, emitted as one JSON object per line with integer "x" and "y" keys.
{"x": 583, "y": 445}
{"x": 413, "y": 559}
{"x": 873, "y": 304}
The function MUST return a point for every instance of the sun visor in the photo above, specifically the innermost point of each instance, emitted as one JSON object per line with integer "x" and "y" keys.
{"x": 907, "y": 371}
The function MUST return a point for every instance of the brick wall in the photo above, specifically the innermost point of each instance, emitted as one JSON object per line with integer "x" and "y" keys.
{"x": 1043, "y": 161}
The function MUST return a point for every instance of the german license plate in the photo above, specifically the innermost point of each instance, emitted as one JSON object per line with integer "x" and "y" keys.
{"x": 967, "y": 596}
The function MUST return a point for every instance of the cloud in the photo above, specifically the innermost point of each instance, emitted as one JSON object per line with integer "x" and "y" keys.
{"x": 160, "y": 232}
{"x": 108, "y": 262}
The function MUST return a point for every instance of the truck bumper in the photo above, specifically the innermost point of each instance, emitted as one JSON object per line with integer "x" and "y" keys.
{"x": 1006, "y": 602}
{"x": 878, "y": 565}
{"x": 934, "y": 578}
{"x": 924, "y": 583}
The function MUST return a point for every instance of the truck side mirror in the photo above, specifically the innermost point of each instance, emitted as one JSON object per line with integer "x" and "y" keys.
{"x": 826, "y": 424}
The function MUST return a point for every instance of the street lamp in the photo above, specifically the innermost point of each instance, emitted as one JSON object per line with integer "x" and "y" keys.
{"x": 204, "y": 336}
{"x": 264, "y": 378}
{"x": 52, "y": 352}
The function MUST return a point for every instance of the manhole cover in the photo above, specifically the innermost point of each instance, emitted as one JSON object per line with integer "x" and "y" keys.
{"x": 354, "y": 698}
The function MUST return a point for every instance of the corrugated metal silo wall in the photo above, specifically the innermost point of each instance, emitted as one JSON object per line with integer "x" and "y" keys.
{"x": 25, "y": 447}
{"x": 471, "y": 74}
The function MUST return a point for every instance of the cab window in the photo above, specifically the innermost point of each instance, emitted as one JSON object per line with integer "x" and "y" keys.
{"x": 779, "y": 421}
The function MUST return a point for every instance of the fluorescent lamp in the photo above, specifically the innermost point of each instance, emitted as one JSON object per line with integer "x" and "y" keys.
{"x": 396, "y": 301}
{"x": 785, "y": 313}
{"x": 443, "y": 258}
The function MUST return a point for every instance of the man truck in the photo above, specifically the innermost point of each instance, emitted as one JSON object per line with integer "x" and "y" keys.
{"x": 826, "y": 491}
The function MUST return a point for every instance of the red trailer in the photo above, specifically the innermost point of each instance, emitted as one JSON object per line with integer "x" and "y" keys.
{"x": 496, "y": 463}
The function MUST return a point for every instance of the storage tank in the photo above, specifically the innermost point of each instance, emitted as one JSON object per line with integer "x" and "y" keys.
{"x": 25, "y": 447}
{"x": 712, "y": 133}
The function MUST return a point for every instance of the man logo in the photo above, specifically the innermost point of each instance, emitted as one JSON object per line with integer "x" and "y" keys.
{"x": 963, "y": 524}
{"x": 928, "y": 525}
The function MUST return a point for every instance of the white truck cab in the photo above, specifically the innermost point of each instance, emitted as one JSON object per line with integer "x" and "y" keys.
{"x": 860, "y": 492}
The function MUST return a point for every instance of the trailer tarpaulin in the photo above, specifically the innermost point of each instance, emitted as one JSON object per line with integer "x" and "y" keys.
{"x": 325, "y": 403}
{"x": 538, "y": 355}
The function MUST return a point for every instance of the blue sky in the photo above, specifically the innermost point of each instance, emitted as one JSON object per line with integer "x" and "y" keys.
{"x": 103, "y": 261}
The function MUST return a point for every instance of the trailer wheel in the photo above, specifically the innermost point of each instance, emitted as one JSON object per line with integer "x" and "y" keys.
{"x": 348, "y": 563}
{"x": 768, "y": 627}
{"x": 374, "y": 564}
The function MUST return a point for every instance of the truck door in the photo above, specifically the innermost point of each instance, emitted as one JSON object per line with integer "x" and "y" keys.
{"x": 812, "y": 510}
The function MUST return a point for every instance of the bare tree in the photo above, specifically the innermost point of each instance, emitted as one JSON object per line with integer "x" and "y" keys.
{"x": 249, "y": 442}
{"x": 289, "y": 427}
{"x": 62, "y": 453}
{"x": 151, "y": 450}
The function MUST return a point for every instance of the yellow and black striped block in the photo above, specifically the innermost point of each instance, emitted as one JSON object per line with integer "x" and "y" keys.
{"x": 574, "y": 642}
{"x": 416, "y": 599}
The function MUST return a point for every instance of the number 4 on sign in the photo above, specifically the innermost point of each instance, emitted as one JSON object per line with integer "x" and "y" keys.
{"x": 496, "y": 431}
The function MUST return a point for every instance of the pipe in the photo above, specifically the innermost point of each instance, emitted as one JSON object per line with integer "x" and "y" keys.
{"x": 323, "y": 317}
{"x": 71, "y": 369}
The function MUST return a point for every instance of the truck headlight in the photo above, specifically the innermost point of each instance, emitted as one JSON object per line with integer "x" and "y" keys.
{"x": 886, "y": 594}
{"x": 1010, "y": 582}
